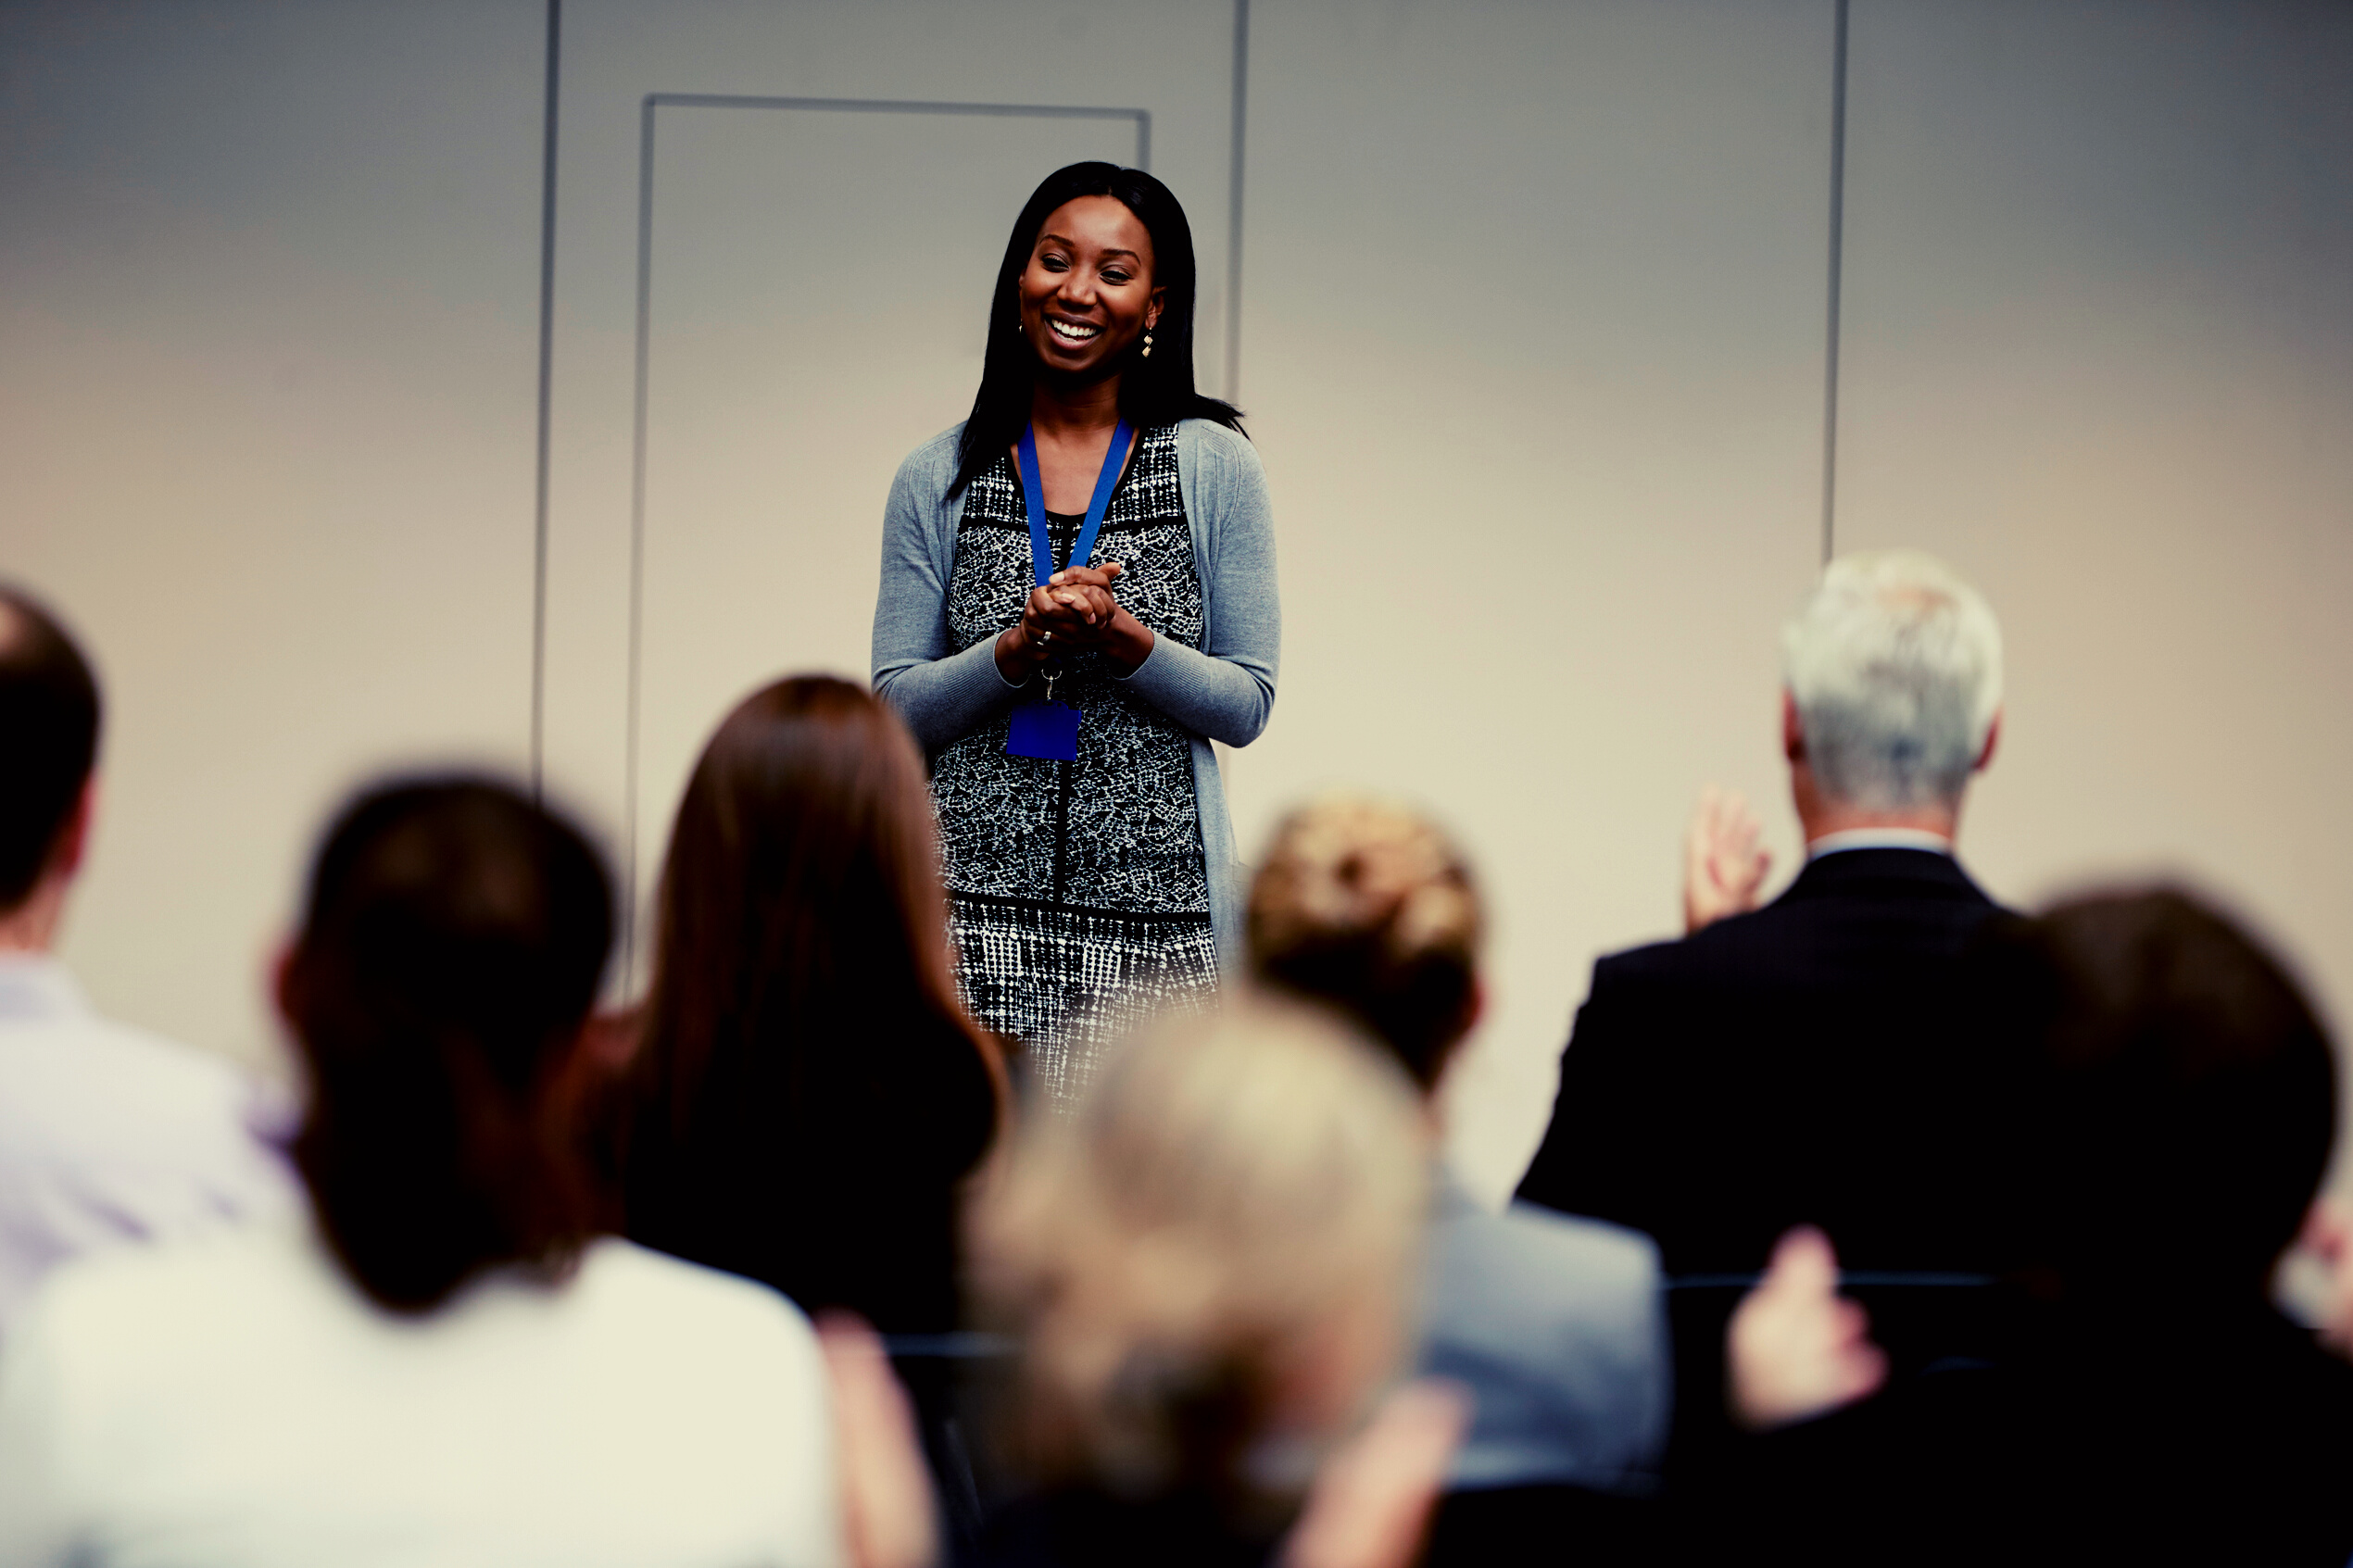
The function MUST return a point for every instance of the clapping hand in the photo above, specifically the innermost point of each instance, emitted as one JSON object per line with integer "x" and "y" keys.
{"x": 1795, "y": 1349}
{"x": 1371, "y": 1503}
{"x": 890, "y": 1511}
{"x": 1723, "y": 866}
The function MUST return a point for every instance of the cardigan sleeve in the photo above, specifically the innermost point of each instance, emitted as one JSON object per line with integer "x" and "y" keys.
{"x": 942, "y": 692}
{"x": 1226, "y": 691}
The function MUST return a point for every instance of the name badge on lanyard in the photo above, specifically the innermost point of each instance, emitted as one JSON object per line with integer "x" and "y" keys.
{"x": 1048, "y": 730}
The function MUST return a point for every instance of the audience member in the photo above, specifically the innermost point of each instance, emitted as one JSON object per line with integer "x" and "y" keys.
{"x": 450, "y": 1367}
{"x": 1815, "y": 1061}
{"x": 108, "y": 1133}
{"x": 1209, "y": 1266}
{"x": 1792, "y": 1064}
{"x": 1555, "y": 1324}
{"x": 2186, "y": 1118}
{"x": 2181, "y": 1112}
{"x": 808, "y": 1094}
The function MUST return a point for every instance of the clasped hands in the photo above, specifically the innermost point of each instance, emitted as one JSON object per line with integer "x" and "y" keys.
{"x": 1073, "y": 613}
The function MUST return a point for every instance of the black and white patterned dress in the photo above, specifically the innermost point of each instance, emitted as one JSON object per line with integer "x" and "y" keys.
{"x": 1079, "y": 890}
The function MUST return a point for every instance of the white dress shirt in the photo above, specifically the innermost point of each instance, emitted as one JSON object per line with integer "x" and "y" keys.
{"x": 1878, "y": 838}
{"x": 109, "y": 1134}
{"x": 233, "y": 1401}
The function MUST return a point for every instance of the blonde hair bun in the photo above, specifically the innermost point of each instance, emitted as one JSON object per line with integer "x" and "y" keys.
{"x": 1367, "y": 905}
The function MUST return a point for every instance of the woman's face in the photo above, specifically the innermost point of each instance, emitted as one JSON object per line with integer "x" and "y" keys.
{"x": 1089, "y": 292}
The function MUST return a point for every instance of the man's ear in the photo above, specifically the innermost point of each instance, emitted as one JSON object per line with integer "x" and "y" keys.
{"x": 2328, "y": 1228}
{"x": 1793, "y": 728}
{"x": 282, "y": 981}
{"x": 1993, "y": 739}
{"x": 73, "y": 839}
{"x": 608, "y": 1041}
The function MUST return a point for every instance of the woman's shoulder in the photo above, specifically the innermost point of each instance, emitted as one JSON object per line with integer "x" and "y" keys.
{"x": 1215, "y": 443}
{"x": 1222, "y": 473}
{"x": 630, "y": 1289}
{"x": 932, "y": 466}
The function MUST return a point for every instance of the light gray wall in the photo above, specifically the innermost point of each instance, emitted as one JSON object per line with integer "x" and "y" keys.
{"x": 2099, "y": 354}
{"x": 268, "y": 304}
{"x": 1532, "y": 334}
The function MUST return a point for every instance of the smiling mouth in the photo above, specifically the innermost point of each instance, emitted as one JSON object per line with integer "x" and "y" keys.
{"x": 1074, "y": 332}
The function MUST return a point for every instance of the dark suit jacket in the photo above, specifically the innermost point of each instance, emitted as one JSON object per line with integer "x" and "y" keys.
{"x": 1811, "y": 1061}
{"x": 2126, "y": 1429}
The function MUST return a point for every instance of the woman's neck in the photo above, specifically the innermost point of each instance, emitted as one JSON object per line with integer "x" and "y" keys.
{"x": 1074, "y": 410}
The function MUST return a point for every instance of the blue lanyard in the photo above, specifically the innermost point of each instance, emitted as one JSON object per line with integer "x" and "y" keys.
{"x": 1033, "y": 491}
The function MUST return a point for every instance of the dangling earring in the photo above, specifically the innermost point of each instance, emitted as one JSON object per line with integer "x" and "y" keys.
{"x": 1148, "y": 343}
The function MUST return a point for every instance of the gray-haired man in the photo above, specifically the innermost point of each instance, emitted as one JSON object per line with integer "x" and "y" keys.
{"x": 1804, "y": 1062}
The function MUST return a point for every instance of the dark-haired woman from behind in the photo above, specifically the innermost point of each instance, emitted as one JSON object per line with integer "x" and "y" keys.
{"x": 449, "y": 1366}
{"x": 1077, "y": 596}
{"x": 807, "y": 1095}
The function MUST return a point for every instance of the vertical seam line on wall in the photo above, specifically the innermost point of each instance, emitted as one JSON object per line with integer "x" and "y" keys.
{"x": 637, "y": 538}
{"x": 1144, "y": 121}
{"x": 546, "y": 363}
{"x": 1234, "y": 213}
{"x": 1837, "y": 265}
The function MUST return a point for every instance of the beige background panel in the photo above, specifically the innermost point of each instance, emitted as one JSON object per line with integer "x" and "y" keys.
{"x": 1533, "y": 347}
{"x": 2099, "y": 353}
{"x": 268, "y": 314}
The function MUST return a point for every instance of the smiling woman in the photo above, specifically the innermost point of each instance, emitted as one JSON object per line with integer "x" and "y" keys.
{"x": 1077, "y": 596}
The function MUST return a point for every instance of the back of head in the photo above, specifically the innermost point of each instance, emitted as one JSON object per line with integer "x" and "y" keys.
{"x": 49, "y": 717}
{"x": 451, "y": 945}
{"x": 808, "y": 1088}
{"x": 2188, "y": 1101}
{"x": 1896, "y": 666}
{"x": 1209, "y": 1261}
{"x": 800, "y": 903}
{"x": 1366, "y": 906}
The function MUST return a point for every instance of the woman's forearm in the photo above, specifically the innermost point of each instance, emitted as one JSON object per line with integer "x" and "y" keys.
{"x": 1228, "y": 699}
{"x": 1127, "y": 643}
{"x": 944, "y": 699}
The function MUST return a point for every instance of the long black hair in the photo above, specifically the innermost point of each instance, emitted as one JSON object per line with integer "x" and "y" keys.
{"x": 1152, "y": 391}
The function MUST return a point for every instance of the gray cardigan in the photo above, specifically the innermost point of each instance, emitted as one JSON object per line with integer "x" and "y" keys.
{"x": 1224, "y": 691}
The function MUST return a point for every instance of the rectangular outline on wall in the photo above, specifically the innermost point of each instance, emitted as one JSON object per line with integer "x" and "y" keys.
{"x": 652, "y": 102}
